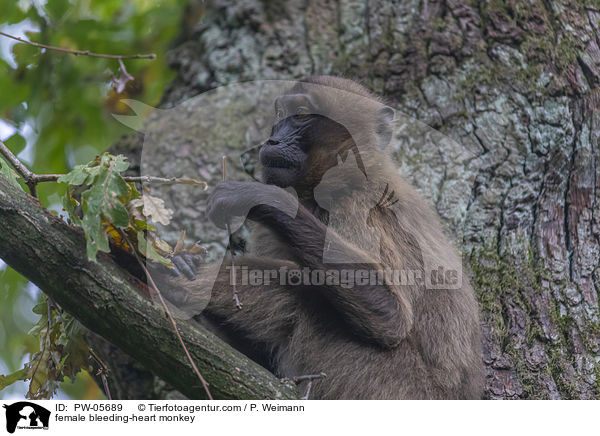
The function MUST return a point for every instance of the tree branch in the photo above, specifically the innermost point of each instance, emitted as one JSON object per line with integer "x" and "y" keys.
{"x": 80, "y": 52}
{"x": 31, "y": 179}
{"x": 104, "y": 298}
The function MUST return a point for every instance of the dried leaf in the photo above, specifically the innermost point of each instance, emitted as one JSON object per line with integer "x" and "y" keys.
{"x": 154, "y": 208}
{"x": 180, "y": 242}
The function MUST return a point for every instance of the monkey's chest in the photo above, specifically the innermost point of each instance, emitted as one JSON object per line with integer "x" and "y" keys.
{"x": 264, "y": 243}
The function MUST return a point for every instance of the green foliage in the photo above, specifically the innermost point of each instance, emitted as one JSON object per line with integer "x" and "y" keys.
{"x": 67, "y": 99}
{"x": 103, "y": 204}
{"x": 101, "y": 199}
{"x": 16, "y": 143}
{"x": 62, "y": 106}
{"x": 7, "y": 380}
{"x": 63, "y": 352}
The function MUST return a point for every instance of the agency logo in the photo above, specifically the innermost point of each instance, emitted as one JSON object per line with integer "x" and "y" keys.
{"x": 26, "y": 415}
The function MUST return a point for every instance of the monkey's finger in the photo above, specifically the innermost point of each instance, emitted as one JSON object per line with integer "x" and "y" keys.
{"x": 189, "y": 260}
{"x": 198, "y": 260}
{"x": 174, "y": 272}
{"x": 183, "y": 267}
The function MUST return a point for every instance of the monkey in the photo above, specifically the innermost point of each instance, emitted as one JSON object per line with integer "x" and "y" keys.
{"x": 375, "y": 339}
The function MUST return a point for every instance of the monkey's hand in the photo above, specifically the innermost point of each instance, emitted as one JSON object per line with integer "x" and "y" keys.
{"x": 186, "y": 265}
{"x": 238, "y": 199}
{"x": 187, "y": 285}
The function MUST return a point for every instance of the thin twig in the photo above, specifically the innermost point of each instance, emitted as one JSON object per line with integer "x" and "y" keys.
{"x": 80, "y": 52}
{"x": 166, "y": 181}
{"x": 100, "y": 362}
{"x": 49, "y": 308}
{"x": 106, "y": 388}
{"x": 308, "y": 388}
{"x": 103, "y": 372}
{"x": 164, "y": 304}
{"x": 31, "y": 179}
{"x": 124, "y": 70}
{"x": 300, "y": 378}
{"x": 238, "y": 303}
{"x": 310, "y": 378}
{"x": 39, "y": 178}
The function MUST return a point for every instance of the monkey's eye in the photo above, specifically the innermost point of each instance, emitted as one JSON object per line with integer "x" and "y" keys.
{"x": 279, "y": 113}
{"x": 302, "y": 113}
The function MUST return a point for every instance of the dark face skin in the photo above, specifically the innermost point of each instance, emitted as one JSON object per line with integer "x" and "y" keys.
{"x": 298, "y": 129}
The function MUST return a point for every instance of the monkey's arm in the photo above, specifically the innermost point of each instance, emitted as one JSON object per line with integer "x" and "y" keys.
{"x": 268, "y": 309}
{"x": 374, "y": 311}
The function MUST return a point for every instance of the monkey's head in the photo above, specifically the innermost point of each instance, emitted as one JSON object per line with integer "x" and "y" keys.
{"x": 317, "y": 120}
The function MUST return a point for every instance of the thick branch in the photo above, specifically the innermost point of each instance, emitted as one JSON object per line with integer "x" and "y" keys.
{"x": 103, "y": 298}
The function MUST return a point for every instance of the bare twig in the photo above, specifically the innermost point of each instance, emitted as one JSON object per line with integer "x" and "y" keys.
{"x": 164, "y": 304}
{"x": 103, "y": 372}
{"x": 105, "y": 385}
{"x": 49, "y": 309}
{"x": 301, "y": 378}
{"x": 31, "y": 179}
{"x": 133, "y": 179}
{"x": 166, "y": 181}
{"x": 124, "y": 70}
{"x": 80, "y": 52}
{"x": 39, "y": 178}
{"x": 308, "y": 388}
{"x": 238, "y": 303}
{"x": 119, "y": 83}
{"x": 310, "y": 379}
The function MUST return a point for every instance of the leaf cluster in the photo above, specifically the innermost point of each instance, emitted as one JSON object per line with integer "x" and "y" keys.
{"x": 105, "y": 206}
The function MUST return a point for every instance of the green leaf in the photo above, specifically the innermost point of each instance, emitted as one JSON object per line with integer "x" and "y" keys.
{"x": 7, "y": 380}
{"x": 16, "y": 143}
{"x": 149, "y": 251}
{"x": 95, "y": 236}
{"x": 40, "y": 308}
{"x": 103, "y": 194}
{"x": 77, "y": 176}
{"x": 11, "y": 12}
{"x": 56, "y": 9}
{"x": 7, "y": 171}
{"x": 103, "y": 198}
{"x": 143, "y": 225}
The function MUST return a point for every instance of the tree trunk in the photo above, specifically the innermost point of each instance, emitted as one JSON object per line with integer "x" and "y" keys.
{"x": 515, "y": 85}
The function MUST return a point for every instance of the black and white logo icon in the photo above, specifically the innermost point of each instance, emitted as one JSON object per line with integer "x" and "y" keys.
{"x": 26, "y": 415}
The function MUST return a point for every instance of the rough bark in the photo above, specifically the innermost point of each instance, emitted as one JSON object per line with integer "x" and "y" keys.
{"x": 103, "y": 297}
{"x": 515, "y": 84}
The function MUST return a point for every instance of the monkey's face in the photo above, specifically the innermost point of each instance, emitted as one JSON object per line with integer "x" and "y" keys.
{"x": 298, "y": 130}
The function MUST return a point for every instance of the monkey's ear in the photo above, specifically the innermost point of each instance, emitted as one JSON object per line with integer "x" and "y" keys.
{"x": 385, "y": 126}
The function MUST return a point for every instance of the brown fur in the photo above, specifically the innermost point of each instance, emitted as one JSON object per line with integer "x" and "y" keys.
{"x": 373, "y": 342}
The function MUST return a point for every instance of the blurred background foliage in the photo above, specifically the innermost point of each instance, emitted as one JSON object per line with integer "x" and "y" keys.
{"x": 55, "y": 112}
